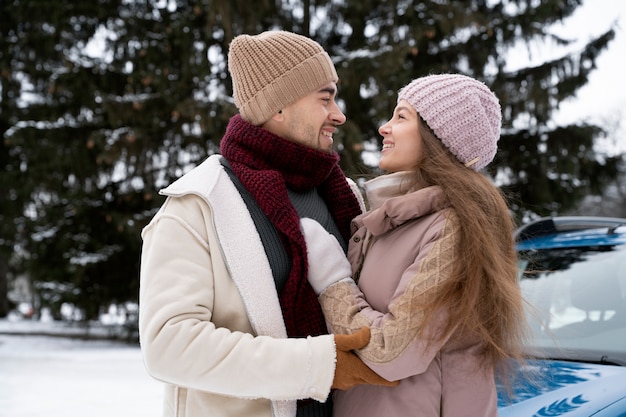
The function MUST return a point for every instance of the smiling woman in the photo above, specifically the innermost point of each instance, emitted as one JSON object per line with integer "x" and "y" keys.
{"x": 431, "y": 266}
{"x": 402, "y": 142}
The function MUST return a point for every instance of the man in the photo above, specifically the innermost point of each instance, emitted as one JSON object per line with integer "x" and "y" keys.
{"x": 228, "y": 319}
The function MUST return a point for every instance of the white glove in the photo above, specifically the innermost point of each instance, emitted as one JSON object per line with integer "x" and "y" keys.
{"x": 327, "y": 261}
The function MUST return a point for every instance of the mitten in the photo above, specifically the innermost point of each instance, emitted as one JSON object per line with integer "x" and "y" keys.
{"x": 327, "y": 261}
{"x": 350, "y": 370}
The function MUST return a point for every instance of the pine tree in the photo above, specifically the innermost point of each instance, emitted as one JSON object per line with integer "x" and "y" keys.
{"x": 381, "y": 46}
{"x": 89, "y": 139}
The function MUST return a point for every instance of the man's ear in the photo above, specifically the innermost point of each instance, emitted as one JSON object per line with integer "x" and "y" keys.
{"x": 274, "y": 123}
{"x": 278, "y": 116}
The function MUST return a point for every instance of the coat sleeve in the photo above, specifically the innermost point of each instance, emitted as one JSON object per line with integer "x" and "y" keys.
{"x": 180, "y": 341}
{"x": 396, "y": 351}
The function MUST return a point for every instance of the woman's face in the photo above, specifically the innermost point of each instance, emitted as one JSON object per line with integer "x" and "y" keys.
{"x": 402, "y": 142}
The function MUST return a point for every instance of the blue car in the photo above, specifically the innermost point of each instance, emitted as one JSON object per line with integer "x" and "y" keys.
{"x": 573, "y": 276}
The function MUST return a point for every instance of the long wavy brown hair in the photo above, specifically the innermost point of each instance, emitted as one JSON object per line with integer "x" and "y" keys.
{"x": 483, "y": 296}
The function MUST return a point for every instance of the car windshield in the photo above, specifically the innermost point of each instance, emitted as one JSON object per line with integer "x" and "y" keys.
{"x": 577, "y": 302}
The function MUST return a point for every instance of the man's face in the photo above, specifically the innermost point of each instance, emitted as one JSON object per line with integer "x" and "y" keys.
{"x": 312, "y": 120}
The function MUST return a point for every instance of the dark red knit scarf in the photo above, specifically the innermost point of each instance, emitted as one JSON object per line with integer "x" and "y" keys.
{"x": 267, "y": 164}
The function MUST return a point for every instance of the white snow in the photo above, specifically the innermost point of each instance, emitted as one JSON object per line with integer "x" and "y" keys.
{"x": 55, "y": 376}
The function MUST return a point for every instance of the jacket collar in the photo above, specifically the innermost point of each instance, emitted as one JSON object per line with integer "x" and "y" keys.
{"x": 237, "y": 235}
{"x": 390, "y": 209}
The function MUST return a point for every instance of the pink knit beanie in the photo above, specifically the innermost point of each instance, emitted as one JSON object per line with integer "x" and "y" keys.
{"x": 463, "y": 112}
{"x": 274, "y": 69}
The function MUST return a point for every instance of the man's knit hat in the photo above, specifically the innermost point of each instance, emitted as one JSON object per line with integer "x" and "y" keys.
{"x": 274, "y": 69}
{"x": 464, "y": 114}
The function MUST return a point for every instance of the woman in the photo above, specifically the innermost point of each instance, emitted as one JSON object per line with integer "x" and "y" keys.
{"x": 434, "y": 260}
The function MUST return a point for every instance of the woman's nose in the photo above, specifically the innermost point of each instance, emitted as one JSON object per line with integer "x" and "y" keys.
{"x": 384, "y": 129}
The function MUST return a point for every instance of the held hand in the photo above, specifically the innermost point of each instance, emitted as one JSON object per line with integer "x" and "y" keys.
{"x": 350, "y": 371}
{"x": 327, "y": 261}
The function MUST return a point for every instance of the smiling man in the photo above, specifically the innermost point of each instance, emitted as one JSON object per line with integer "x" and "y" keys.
{"x": 310, "y": 121}
{"x": 228, "y": 319}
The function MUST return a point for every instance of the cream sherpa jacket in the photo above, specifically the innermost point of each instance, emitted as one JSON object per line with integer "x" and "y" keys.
{"x": 210, "y": 322}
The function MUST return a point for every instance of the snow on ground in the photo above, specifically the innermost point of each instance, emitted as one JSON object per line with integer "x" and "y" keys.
{"x": 56, "y": 376}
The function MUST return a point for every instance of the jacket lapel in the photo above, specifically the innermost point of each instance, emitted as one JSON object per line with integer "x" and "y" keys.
{"x": 242, "y": 248}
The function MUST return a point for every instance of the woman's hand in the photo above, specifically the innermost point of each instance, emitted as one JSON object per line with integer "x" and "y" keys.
{"x": 327, "y": 261}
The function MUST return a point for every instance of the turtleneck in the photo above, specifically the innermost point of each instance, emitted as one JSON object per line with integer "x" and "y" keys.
{"x": 392, "y": 205}
{"x": 384, "y": 187}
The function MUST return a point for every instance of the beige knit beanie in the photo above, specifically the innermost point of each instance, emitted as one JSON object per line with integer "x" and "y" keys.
{"x": 274, "y": 69}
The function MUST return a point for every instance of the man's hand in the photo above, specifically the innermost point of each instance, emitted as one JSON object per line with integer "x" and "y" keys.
{"x": 350, "y": 370}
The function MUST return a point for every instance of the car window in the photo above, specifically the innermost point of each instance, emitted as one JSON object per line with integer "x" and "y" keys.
{"x": 577, "y": 299}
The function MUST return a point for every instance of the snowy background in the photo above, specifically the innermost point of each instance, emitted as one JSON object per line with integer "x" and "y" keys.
{"x": 45, "y": 375}
{"x": 603, "y": 100}
{"x": 54, "y": 376}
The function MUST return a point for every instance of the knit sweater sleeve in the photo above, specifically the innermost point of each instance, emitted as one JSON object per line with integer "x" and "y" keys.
{"x": 397, "y": 349}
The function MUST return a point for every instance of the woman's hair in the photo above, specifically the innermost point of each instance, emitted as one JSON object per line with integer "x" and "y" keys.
{"x": 483, "y": 295}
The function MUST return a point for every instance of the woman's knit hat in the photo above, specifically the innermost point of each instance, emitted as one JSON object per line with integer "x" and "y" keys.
{"x": 464, "y": 114}
{"x": 274, "y": 69}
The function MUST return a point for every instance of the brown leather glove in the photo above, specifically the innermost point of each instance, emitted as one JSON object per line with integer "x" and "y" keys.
{"x": 350, "y": 370}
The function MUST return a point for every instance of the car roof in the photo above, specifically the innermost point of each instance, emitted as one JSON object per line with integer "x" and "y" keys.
{"x": 571, "y": 231}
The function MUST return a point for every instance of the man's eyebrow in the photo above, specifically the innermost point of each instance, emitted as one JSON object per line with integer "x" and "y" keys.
{"x": 329, "y": 90}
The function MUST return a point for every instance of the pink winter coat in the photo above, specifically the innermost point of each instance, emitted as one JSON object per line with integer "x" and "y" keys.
{"x": 403, "y": 246}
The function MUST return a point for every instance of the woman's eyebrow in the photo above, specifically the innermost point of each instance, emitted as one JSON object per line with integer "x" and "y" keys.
{"x": 401, "y": 108}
